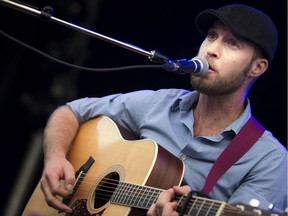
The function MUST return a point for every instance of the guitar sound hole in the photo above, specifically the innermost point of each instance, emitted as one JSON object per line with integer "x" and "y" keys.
{"x": 105, "y": 189}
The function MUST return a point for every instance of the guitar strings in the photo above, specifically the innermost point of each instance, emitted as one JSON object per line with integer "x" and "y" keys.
{"x": 107, "y": 186}
{"x": 192, "y": 204}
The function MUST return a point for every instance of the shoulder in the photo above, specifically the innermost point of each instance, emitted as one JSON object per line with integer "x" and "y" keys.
{"x": 167, "y": 91}
{"x": 268, "y": 144}
{"x": 268, "y": 152}
{"x": 154, "y": 95}
{"x": 271, "y": 144}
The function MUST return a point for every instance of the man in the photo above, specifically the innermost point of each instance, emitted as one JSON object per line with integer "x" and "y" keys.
{"x": 194, "y": 126}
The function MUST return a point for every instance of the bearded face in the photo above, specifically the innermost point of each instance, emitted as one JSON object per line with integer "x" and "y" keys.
{"x": 220, "y": 84}
{"x": 230, "y": 62}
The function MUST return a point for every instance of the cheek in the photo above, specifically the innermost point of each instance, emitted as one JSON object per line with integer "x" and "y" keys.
{"x": 230, "y": 66}
{"x": 201, "y": 51}
{"x": 239, "y": 63}
{"x": 235, "y": 60}
{"x": 234, "y": 67}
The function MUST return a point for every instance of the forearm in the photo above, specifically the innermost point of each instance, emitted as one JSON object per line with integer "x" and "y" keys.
{"x": 59, "y": 133}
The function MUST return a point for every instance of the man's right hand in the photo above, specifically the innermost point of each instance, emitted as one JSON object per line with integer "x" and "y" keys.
{"x": 58, "y": 176}
{"x": 56, "y": 170}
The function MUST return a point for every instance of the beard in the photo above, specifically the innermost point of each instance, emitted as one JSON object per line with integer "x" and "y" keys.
{"x": 220, "y": 85}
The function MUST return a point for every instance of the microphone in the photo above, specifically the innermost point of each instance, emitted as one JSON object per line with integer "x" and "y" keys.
{"x": 197, "y": 66}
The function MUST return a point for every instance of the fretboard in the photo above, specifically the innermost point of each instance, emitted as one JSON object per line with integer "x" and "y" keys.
{"x": 135, "y": 195}
{"x": 143, "y": 197}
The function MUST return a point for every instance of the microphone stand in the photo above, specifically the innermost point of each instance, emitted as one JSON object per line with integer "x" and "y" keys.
{"x": 46, "y": 15}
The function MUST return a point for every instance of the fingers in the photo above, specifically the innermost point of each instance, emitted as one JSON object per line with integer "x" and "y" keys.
{"x": 152, "y": 210}
{"x": 53, "y": 186}
{"x": 182, "y": 190}
{"x": 166, "y": 211}
{"x": 52, "y": 199}
{"x": 164, "y": 206}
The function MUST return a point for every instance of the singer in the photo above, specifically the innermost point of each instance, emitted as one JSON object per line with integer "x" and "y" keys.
{"x": 194, "y": 126}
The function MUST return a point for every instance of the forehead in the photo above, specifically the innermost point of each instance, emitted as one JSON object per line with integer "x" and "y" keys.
{"x": 219, "y": 25}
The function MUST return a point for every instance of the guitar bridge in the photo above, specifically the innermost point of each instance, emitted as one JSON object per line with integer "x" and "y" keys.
{"x": 79, "y": 177}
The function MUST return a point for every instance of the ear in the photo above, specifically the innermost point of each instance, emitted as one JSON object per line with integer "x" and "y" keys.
{"x": 259, "y": 66}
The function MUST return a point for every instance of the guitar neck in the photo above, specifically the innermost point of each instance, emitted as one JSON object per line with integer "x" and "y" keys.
{"x": 135, "y": 195}
{"x": 143, "y": 197}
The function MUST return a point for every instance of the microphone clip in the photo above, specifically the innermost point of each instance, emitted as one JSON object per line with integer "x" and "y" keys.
{"x": 197, "y": 66}
{"x": 175, "y": 65}
{"x": 157, "y": 57}
{"x": 46, "y": 13}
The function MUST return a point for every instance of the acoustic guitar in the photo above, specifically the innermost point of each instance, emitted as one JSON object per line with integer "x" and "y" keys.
{"x": 120, "y": 176}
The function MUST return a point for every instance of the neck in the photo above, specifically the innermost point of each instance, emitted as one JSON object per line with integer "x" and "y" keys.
{"x": 214, "y": 113}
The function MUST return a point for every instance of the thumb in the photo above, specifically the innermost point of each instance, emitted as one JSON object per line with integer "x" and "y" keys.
{"x": 182, "y": 190}
{"x": 69, "y": 176}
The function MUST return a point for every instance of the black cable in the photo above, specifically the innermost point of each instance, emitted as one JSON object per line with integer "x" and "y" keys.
{"x": 77, "y": 66}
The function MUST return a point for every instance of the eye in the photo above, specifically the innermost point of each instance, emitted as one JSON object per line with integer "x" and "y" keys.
{"x": 211, "y": 35}
{"x": 233, "y": 43}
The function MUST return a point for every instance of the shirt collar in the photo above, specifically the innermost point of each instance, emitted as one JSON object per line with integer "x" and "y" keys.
{"x": 186, "y": 101}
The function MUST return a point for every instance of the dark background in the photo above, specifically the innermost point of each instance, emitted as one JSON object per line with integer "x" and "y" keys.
{"x": 32, "y": 86}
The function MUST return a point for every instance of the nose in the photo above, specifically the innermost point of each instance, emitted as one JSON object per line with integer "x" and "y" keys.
{"x": 214, "y": 49}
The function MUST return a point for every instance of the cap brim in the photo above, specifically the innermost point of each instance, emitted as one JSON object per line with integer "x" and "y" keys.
{"x": 205, "y": 19}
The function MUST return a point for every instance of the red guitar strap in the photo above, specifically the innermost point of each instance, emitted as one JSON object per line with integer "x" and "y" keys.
{"x": 240, "y": 144}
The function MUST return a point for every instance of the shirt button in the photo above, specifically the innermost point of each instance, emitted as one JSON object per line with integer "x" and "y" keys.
{"x": 183, "y": 157}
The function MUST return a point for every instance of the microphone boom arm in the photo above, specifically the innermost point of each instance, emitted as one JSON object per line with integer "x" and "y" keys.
{"x": 46, "y": 14}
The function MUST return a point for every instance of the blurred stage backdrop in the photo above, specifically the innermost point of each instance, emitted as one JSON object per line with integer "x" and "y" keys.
{"x": 32, "y": 86}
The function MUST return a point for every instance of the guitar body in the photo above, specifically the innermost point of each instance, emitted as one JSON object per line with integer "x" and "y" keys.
{"x": 116, "y": 156}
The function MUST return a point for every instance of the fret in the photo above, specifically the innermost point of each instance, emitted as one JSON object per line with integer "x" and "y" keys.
{"x": 128, "y": 195}
{"x": 141, "y": 200}
{"x": 135, "y": 195}
{"x": 143, "y": 197}
{"x": 193, "y": 208}
{"x": 220, "y": 209}
{"x": 137, "y": 199}
{"x": 180, "y": 201}
{"x": 117, "y": 193}
{"x": 125, "y": 193}
{"x": 210, "y": 209}
{"x": 153, "y": 197}
{"x": 199, "y": 206}
{"x": 147, "y": 198}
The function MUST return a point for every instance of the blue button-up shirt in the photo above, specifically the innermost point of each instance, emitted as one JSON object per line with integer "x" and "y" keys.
{"x": 166, "y": 117}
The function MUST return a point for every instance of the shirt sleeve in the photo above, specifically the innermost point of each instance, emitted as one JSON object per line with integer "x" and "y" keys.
{"x": 126, "y": 109}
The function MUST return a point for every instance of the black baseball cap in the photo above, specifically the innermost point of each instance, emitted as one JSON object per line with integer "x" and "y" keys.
{"x": 244, "y": 21}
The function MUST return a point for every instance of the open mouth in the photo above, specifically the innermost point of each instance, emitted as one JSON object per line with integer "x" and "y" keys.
{"x": 211, "y": 68}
